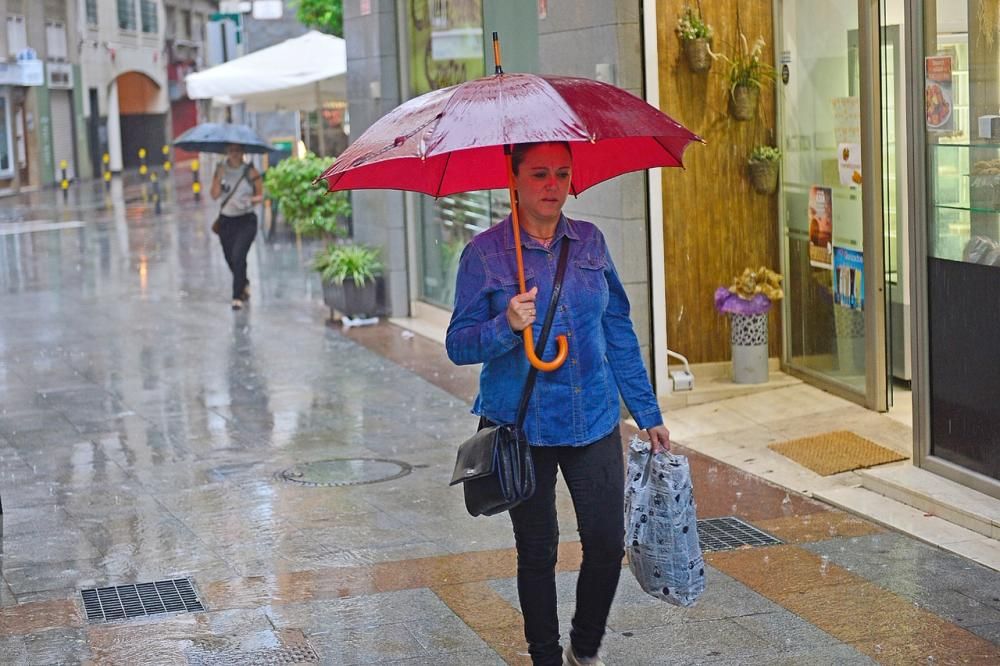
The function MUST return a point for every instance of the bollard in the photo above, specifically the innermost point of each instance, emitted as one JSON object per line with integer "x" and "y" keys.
{"x": 63, "y": 165}
{"x": 143, "y": 171}
{"x": 156, "y": 192}
{"x": 167, "y": 166}
{"x": 195, "y": 185}
{"x": 106, "y": 170}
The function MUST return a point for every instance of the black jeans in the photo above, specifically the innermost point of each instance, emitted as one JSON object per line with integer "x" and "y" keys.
{"x": 595, "y": 475}
{"x": 236, "y": 235}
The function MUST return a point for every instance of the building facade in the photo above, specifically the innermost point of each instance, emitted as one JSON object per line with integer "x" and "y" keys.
{"x": 41, "y": 136}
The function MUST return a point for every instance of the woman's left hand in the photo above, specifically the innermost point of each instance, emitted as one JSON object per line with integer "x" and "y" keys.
{"x": 659, "y": 439}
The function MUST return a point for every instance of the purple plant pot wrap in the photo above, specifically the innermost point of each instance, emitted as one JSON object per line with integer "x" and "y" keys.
{"x": 730, "y": 303}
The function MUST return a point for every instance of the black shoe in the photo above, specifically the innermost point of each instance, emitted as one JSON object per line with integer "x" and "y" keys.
{"x": 237, "y": 304}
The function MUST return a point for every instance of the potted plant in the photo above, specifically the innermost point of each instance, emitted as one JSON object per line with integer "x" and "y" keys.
{"x": 747, "y": 302}
{"x": 747, "y": 75}
{"x": 763, "y": 167}
{"x": 696, "y": 37}
{"x": 348, "y": 273}
{"x": 305, "y": 204}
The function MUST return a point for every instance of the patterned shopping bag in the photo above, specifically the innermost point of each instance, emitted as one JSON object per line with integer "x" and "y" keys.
{"x": 662, "y": 529}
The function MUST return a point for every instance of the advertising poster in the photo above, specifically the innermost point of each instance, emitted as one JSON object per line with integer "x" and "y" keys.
{"x": 938, "y": 94}
{"x": 820, "y": 227}
{"x": 446, "y": 43}
{"x": 849, "y": 164}
{"x": 848, "y": 278}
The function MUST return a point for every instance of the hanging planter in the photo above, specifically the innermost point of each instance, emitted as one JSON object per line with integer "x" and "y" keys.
{"x": 763, "y": 169}
{"x": 696, "y": 36}
{"x": 698, "y": 54}
{"x": 747, "y": 75}
{"x": 743, "y": 102}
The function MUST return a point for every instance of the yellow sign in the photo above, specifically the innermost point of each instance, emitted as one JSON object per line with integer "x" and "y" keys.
{"x": 166, "y": 149}
{"x": 142, "y": 153}
{"x": 196, "y": 187}
{"x": 143, "y": 170}
{"x": 107, "y": 176}
{"x": 152, "y": 176}
{"x": 106, "y": 158}
{"x": 166, "y": 165}
{"x": 65, "y": 184}
{"x": 63, "y": 164}
{"x": 194, "y": 165}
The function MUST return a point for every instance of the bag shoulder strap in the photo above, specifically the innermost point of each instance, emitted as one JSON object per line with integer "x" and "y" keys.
{"x": 229, "y": 196}
{"x": 529, "y": 383}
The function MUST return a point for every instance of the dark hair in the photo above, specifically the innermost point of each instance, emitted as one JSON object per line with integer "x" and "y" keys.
{"x": 521, "y": 149}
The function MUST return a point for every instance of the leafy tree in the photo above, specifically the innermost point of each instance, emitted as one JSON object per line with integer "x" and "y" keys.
{"x": 324, "y": 15}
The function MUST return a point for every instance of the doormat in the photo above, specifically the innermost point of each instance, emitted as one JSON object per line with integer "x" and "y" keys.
{"x": 835, "y": 452}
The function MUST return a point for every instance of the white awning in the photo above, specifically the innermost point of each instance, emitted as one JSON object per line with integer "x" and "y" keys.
{"x": 299, "y": 74}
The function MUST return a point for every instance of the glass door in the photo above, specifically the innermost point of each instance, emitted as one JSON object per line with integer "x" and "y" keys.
{"x": 822, "y": 198}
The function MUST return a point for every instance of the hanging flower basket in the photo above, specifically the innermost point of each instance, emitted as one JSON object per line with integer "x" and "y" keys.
{"x": 764, "y": 177}
{"x": 743, "y": 102}
{"x": 698, "y": 54}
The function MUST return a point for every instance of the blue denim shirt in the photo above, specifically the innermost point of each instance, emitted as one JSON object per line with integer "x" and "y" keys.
{"x": 578, "y": 403}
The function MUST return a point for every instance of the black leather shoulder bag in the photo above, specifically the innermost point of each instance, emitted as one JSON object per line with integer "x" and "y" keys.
{"x": 495, "y": 465}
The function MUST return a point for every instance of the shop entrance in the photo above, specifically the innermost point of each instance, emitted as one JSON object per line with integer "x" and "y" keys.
{"x": 844, "y": 197}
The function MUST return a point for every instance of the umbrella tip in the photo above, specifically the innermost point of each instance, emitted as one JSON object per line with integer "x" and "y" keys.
{"x": 496, "y": 53}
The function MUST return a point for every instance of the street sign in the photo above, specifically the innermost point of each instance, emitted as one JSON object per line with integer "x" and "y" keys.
{"x": 267, "y": 10}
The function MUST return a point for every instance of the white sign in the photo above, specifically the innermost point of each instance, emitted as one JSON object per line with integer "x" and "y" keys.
{"x": 25, "y": 73}
{"x": 235, "y": 6}
{"x": 265, "y": 10}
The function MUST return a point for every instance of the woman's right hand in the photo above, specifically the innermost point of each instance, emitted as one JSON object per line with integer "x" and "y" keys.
{"x": 521, "y": 310}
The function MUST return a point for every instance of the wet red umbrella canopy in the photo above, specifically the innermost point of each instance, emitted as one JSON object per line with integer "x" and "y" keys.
{"x": 458, "y": 139}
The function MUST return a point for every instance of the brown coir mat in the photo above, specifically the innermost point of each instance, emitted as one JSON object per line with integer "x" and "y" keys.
{"x": 834, "y": 452}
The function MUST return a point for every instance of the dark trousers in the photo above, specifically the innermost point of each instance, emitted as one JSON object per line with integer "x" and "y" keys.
{"x": 595, "y": 475}
{"x": 236, "y": 235}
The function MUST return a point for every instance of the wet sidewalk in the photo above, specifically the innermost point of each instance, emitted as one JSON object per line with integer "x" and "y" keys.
{"x": 296, "y": 475}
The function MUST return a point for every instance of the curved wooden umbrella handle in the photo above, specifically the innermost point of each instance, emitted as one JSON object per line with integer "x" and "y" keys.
{"x": 529, "y": 337}
{"x": 533, "y": 359}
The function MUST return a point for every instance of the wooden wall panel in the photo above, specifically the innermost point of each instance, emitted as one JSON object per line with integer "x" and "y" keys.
{"x": 715, "y": 225}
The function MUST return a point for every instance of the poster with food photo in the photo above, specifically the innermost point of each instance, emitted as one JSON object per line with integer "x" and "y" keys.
{"x": 821, "y": 227}
{"x": 938, "y": 103}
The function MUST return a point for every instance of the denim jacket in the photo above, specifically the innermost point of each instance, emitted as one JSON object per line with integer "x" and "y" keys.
{"x": 578, "y": 403}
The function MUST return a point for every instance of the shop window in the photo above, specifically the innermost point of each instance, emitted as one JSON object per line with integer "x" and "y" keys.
{"x": 126, "y": 15}
{"x": 55, "y": 40}
{"x": 17, "y": 37}
{"x": 150, "y": 18}
{"x": 6, "y": 160}
{"x": 91, "y": 8}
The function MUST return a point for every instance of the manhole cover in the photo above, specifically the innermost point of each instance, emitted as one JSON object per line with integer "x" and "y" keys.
{"x": 346, "y": 472}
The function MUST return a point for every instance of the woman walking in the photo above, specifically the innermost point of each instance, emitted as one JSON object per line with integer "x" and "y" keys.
{"x": 237, "y": 228}
{"x": 572, "y": 422}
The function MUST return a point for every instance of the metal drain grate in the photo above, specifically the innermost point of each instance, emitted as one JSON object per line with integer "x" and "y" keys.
{"x": 729, "y": 533}
{"x": 104, "y": 604}
{"x": 292, "y": 654}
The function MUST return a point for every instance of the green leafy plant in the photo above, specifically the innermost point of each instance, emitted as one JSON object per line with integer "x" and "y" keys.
{"x": 324, "y": 15}
{"x": 308, "y": 207}
{"x": 691, "y": 25}
{"x": 765, "y": 154}
{"x": 746, "y": 67}
{"x": 348, "y": 261}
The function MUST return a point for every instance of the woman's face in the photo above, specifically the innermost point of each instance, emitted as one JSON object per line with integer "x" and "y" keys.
{"x": 234, "y": 153}
{"x": 542, "y": 182}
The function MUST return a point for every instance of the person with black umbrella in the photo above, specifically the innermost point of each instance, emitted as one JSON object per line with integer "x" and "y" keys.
{"x": 237, "y": 224}
{"x": 241, "y": 184}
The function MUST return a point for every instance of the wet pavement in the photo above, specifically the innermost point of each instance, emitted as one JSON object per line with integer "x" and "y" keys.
{"x": 147, "y": 432}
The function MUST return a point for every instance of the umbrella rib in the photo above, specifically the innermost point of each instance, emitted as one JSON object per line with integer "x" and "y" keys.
{"x": 444, "y": 170}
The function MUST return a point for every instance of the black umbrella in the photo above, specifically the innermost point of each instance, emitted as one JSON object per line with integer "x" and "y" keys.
{"x": 214, "y": 137}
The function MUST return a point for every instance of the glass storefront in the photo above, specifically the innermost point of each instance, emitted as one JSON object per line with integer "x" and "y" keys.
{"x": 960, "y": 133}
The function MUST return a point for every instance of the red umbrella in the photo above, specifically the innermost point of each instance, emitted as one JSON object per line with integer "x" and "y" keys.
{"x": 458, "y": 139}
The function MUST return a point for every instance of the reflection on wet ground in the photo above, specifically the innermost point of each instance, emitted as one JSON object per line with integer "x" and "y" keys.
{"x": 144, "y": 427}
